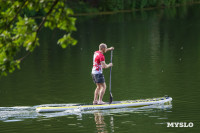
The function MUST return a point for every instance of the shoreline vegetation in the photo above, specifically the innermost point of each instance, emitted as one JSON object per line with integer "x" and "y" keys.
{"x": 103, "y": 7}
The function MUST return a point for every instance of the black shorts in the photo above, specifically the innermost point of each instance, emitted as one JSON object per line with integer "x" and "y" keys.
{"x": 98, "y": 78}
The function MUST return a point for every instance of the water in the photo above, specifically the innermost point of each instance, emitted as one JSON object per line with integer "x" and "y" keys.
{"x": 156, "y": 54}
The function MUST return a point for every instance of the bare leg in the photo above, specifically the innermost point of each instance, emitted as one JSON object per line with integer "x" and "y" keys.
{"x": 102, "y": 92}
{"x": 96, "y": 93}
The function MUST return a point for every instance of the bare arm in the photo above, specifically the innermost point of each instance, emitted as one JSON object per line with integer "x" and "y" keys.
{"x": 104, "y": 65}
{"x": 109, "y": 49}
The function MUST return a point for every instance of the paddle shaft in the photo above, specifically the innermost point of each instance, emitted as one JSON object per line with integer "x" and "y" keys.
{"x": 110, "y": 78}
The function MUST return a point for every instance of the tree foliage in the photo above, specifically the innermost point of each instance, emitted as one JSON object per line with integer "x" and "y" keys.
{"x": 87, "y": 6}
{"x": 19, "y": 28}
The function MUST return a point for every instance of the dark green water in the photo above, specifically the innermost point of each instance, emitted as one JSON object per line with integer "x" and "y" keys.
{"x": 156, "y": 53}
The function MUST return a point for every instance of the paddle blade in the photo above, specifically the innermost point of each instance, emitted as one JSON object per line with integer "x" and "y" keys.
{"x": 111, "y": 98}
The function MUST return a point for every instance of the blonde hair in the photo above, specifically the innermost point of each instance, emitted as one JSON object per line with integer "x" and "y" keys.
{"x": 102, "y": 45}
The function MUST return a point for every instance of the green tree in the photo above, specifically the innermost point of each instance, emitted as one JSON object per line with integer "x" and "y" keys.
{"x": 19, "y": 28}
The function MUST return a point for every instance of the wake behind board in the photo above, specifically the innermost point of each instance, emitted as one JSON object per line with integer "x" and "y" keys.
{"x": 113, "y": 105}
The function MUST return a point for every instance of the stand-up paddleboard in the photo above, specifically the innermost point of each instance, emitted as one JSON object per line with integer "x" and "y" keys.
{"x": 114, "y": 105}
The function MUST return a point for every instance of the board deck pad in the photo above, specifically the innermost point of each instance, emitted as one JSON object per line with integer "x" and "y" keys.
{"x": 113, "y": 105}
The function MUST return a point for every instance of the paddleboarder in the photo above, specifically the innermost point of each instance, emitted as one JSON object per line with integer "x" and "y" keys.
{"x": 97, "y": 72}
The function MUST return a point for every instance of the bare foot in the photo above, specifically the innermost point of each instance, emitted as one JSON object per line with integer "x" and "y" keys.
{"x": 95, "y": 102}
{"x": 101, "y": 102}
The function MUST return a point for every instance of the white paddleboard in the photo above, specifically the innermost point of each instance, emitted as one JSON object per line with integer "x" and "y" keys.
{"x": 113, "y": 105}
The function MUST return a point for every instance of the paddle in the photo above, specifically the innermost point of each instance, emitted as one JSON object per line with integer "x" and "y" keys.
{"x": 111, "y": 97}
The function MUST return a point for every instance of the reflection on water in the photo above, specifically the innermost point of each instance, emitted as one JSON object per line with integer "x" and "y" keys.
{"x": 100, "y": 124}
